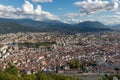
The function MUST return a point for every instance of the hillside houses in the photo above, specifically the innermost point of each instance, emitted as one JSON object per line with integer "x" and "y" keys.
{"x": 55, "y": 50}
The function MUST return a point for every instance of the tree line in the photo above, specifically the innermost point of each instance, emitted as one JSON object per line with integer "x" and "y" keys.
{"x": 12, "y": 73}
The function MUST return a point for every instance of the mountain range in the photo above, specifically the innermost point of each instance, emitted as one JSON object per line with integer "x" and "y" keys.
{"x": 28, "y": 25}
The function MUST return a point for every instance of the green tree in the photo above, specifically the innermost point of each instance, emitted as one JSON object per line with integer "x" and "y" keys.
{"x": 75, "y": 64}
{"x": 29, "y": 77}
{"x": 11, "y": 69}
{"x": 41, "y": 76}
{"x": 111, "y": 77}
{"x": 7, "y": 76}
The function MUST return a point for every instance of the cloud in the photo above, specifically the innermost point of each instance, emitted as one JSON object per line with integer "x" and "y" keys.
{"x": 59, "y": 8}
{"x": 27, "y": 11}
{"x": 73, "y": 21}
{"x": 28, "y": 7}
{"x": 70, "y": 15}
{"x": 92, "y": 7}
{"x": 111, "y": 17}
{"x": 118, "y": 13}
{"x": 42, "y": 0}
{"x": 116, "y": 4}
{"x": 9, "y": 12}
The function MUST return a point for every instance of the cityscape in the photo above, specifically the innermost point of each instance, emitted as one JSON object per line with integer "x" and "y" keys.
{"x": 59, "y": 39}
{"x": 51, "y": 52}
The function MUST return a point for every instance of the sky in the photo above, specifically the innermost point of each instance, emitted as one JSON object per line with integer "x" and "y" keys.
{"x": 68, "y": 11}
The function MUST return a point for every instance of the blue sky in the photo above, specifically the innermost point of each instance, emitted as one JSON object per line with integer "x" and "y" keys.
{"x": 70, "y": 11}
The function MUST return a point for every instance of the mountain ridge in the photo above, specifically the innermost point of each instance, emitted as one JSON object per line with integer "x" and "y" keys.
{"x": 28, "y": 25}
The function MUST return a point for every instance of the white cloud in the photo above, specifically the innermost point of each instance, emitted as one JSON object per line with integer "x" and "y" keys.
{"x": 91, "y": 7}
{"x": 116, "y": 4}
{"x": 42, "y": 0}
{"x": 111, "y": 17}
{"x": 73, "y": 21}
{"x": 59, "y": 8}
{"x": 70, "y": 15}
{"x": 27, "y": 11}
{"x": 28, "y": 7}
{"x": 38, "y": 10}
{"x": 9, "y": 11}
{"x": 118, "y": 13}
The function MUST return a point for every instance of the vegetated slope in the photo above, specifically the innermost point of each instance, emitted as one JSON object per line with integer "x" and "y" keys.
{"x": 27, "y": 25}
{"x": 10, "y": 27}
{"x": 89, "y": 26}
